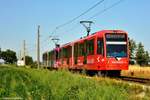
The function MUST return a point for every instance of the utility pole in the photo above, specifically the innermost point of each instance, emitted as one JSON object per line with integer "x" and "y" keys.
{"x": 38, "y": 46}
{"x": 24, "y": 52}
{"x": 19, "y": 55}
{"x": 47, "y": 59}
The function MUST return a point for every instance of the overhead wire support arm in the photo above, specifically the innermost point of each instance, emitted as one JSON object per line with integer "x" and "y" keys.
{"x": 87, "y": 25}
{"x": 55, "y": 40}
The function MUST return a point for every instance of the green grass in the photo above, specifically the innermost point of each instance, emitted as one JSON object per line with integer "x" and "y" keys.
{"x": 36, "y": 84}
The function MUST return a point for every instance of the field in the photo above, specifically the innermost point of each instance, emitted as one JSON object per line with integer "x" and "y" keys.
{"x": 33, "y": 84}
{"x": 137, "y": 71}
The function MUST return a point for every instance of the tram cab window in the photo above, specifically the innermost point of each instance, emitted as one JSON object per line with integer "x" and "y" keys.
{"x": 100, "y": 47}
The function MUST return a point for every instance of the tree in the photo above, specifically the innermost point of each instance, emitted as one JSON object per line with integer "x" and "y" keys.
{"x": 29, "y": 60}
{"x": 147, "y": 57}
{"x": 140, "y": 55}
{"x": 0, "y": 53}
{"x": 9, "y": 56}
{"x": 132, "y": 48}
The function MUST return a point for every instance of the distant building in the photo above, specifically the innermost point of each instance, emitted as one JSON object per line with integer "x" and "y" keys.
{"x": 2, "y": 61}
{"x": 20, "y": 63}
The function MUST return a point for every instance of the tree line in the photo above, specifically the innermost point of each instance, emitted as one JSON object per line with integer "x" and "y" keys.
{"x": 138, "y": 54}
{"x": 9, "y": 56}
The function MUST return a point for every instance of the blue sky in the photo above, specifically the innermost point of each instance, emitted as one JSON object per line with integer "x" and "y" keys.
{"x": 19, "y": 20}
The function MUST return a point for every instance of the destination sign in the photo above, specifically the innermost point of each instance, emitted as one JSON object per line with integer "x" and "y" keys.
{"x": 115, "y": 37}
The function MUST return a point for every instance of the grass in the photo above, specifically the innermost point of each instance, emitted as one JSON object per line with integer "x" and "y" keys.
{"x": 137, "y": 71}
{"x": 33, "y": 84}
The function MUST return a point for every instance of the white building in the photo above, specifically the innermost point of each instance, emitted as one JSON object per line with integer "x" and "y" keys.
{"x": 2, "y": 61}
{"x": 20, "y": 63}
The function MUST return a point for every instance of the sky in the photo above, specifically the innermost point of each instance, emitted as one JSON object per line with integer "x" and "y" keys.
{"x": 19, "y": 20}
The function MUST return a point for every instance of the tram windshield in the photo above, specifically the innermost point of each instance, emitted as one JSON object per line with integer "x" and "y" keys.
{"x": 116, "y": 50}
{"x": 116, "y": 45}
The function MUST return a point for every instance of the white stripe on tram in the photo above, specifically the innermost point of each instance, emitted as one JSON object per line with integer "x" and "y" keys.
{"x": 116, "y": 42}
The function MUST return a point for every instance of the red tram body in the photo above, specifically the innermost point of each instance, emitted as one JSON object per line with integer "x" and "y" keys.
{"x": 105, "y": 50}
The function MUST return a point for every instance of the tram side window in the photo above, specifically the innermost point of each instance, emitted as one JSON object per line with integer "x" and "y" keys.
{"x": 81, "y": 49}
{"x": 76, "y": 50}
{"x": 49, "y": 55}
{"x": 100, "y": 47}
{"x": 60, "y": 54}
{"x": 65, "y": 53}
{"x": 90, "y": 47}
{"x": 68, "y": 52}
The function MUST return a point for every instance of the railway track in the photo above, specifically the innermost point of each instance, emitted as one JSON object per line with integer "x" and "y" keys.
{"x": 135, "y": 79}
{"x": 143, "y": 81}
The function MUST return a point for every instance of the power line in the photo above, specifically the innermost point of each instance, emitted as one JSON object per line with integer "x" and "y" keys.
{"x": 102, "y": 11}
{"x": 50, "y": 36}
{"x": 70, "y": 21}
{"x": 76, "y": 25}
{"x": 46, "y": 39}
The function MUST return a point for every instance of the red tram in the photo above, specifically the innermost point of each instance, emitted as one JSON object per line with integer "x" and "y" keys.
{"x": 104, "y": 51}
